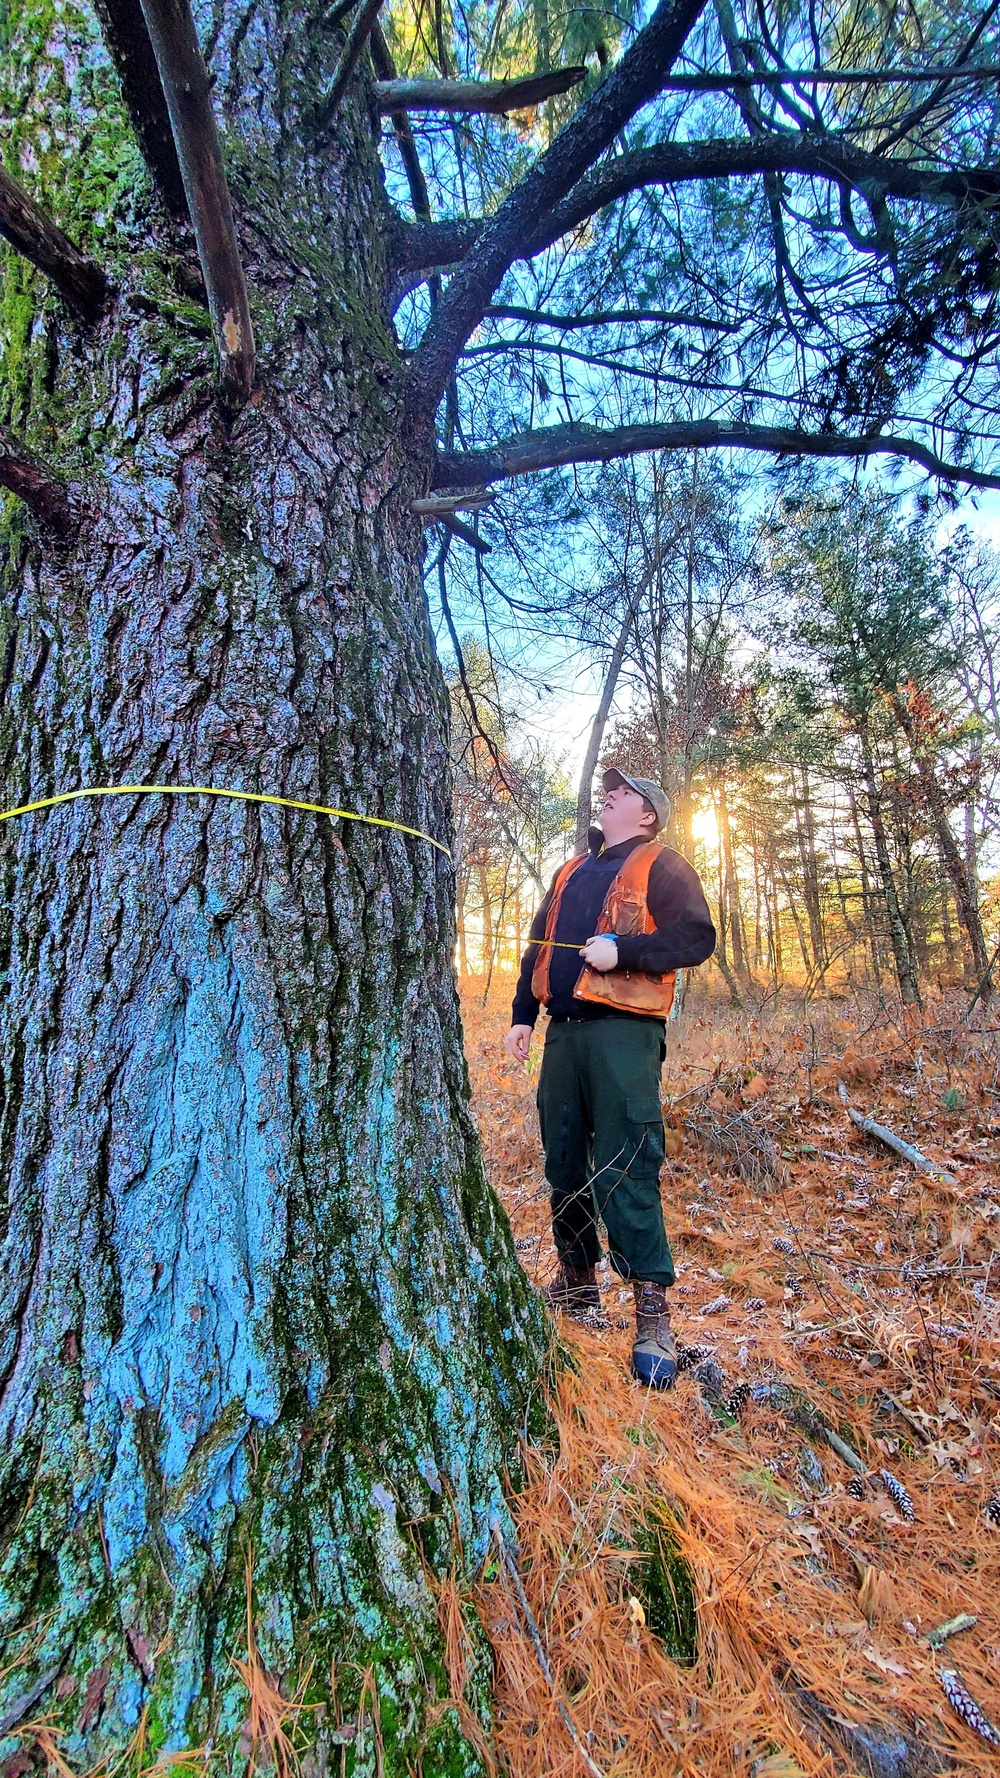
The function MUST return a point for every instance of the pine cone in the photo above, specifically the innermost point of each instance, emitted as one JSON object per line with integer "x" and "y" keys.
{"x": 993, "y": 1509}
{"x": 754, "y": 1305}
{"x": 689, "y": 1356}
{"x": 738, "y": 1399}
{"x": 965, "y": 1706}
{"x": 793, "y": 1284}
{"x": 782, "y": 1244}
{"x": 856, "y": 1487}
{"x": 717, "y": 1306}
{"x": 901, "y": 1500}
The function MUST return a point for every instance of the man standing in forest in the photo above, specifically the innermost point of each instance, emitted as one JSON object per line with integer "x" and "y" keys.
{"x": 635, "y": 911}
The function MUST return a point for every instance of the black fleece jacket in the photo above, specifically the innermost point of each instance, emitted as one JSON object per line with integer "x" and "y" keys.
{"x": 684, "y": 934}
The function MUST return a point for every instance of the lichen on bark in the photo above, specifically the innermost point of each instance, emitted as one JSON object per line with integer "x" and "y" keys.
{"x": 256, "y": 1296}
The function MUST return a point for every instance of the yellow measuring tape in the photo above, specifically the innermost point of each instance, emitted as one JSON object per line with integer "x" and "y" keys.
{"x": 246, "y": 796}
{"x": 559, "y": 944}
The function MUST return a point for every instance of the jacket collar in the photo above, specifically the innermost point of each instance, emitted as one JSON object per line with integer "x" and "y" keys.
{"x": 595, "y": 841}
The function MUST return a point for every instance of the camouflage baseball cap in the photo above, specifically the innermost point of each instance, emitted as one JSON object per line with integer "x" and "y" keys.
{"x": 651, "y": 792}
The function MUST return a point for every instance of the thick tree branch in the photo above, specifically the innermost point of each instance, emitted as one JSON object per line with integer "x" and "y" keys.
{"x": 192, "y": 120}
{"x": 557, "y": 445}
{"x": 487, "y": 97}
{"x": 635, "y": 80}
{"x": 35, "y": 484}
{"x": 127, "y": 42}
{"x": 676, "y": 163}
{"x": 80, "y": 280}
{"x": 418, "y": 246}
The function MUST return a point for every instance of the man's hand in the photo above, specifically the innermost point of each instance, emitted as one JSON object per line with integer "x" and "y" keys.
{"x": 601, "y": 952}
{"x": 517, "y": 1042}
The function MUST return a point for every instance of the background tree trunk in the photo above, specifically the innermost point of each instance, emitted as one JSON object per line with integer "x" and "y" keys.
{"x": 256, "y": 1294}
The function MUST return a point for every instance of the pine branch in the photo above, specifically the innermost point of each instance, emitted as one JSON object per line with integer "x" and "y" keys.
{"x": 188, "y": 94}
{"x": 34, "y": 483}
{"x": 79, "y": 279}
{"x": 608, "y": 317}
{"x": 675, "y": 163}
{"x": 636, "y": 79}
{"x": 721, "y": 83}
{"x": 127, "y": 42}
{"x": 487, "y": 97}
{"x": 557, "y": 445}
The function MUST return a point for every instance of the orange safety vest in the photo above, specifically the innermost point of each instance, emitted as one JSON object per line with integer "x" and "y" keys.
{"x": 625, "y": 911}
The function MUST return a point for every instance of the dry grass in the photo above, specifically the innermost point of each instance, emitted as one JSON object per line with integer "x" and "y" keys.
{"x": 892, "y": 1284}
{"x": 269, "y": 1731}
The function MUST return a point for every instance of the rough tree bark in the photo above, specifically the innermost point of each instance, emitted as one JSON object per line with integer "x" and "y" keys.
{"x": 257, "y": 1298}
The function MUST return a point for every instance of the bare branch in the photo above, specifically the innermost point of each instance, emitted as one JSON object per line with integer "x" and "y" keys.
{"x": 556, "y": 445}
{"x": 385, "y": 68}
{"x": 80, "y": 280}
{"x": 360, "y": 32}
{"x": 489, "y": 97}
{"x": 188, "y": 94}
{"x": 127, "y": 42}
{"x": 38, "y": 486}
{"x": 635, "y": 80}
{"x": 467, "y": 534}
{"x": 438, "y": 506}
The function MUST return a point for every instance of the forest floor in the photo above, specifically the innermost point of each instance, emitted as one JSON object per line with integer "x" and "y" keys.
{"x": 850, "y": 1291}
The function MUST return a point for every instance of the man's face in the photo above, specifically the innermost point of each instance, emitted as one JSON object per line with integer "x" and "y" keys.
{"x": 623, "y": 815}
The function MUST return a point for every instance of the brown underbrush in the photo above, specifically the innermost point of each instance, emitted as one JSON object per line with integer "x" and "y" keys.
{"x": 701, "y": 1591}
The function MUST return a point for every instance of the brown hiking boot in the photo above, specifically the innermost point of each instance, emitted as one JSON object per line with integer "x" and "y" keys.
{"x": 573, "y": 1293}
{"x": 654, "y": 1355}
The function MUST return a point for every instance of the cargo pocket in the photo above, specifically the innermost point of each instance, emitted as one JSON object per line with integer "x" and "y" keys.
{"x": 646, "y": 1115}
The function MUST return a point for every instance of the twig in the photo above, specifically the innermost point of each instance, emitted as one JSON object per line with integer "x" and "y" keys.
{"x": 954, "y": 1627}
{"x": 20, "y": 1707}
{"x": 543, "y": 1660}
{"x": 904, "y": 1149}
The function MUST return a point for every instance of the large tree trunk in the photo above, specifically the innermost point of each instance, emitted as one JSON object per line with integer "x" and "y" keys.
{"x": 257, "y": 1298}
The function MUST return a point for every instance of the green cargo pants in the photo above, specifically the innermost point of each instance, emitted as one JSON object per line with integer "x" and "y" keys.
{"x": 602, "y": 1132}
